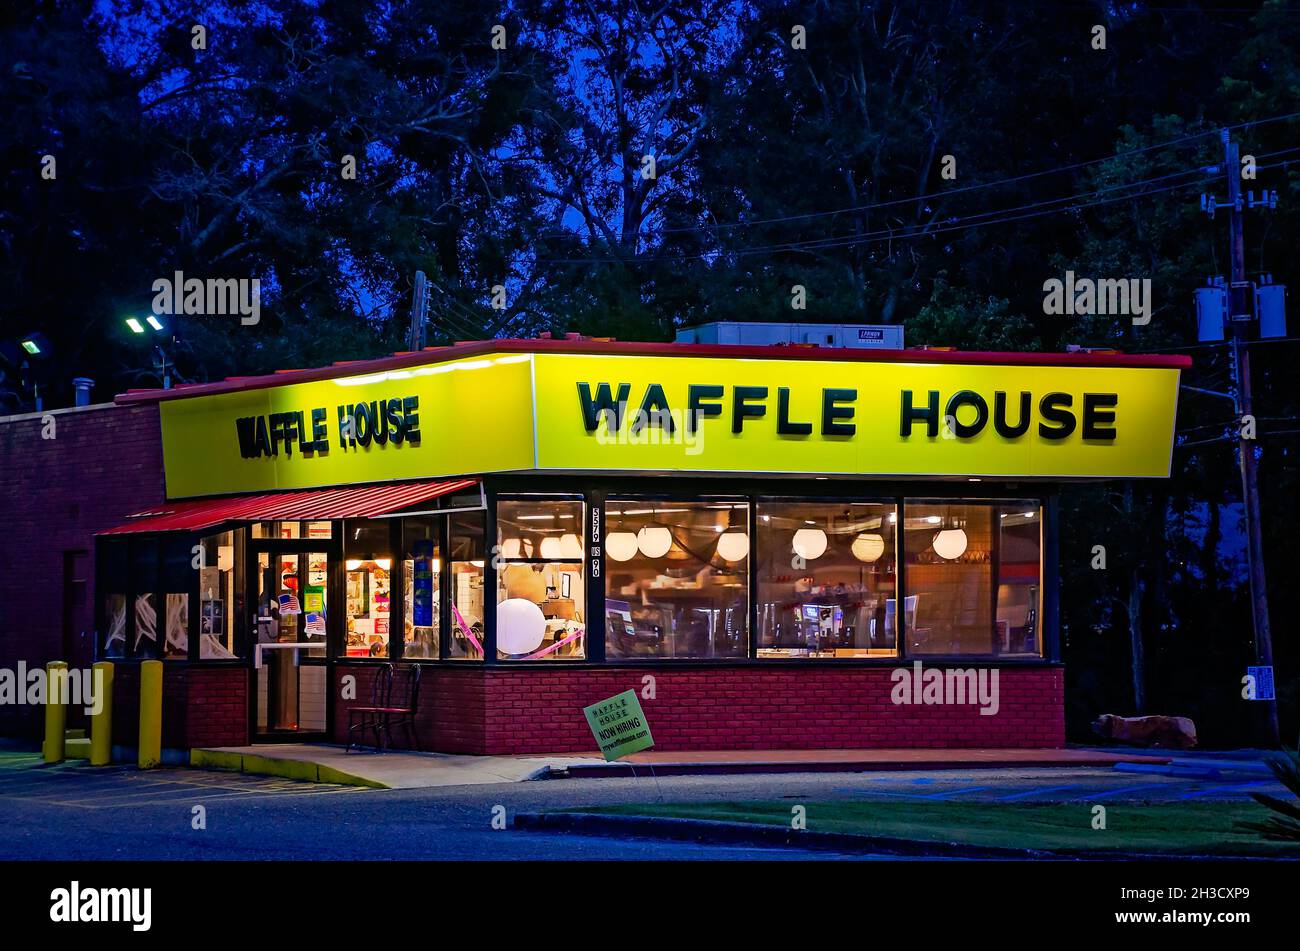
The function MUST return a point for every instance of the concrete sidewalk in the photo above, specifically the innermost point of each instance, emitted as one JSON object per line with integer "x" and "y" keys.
{"x": 396, "y": 769}
{"x": 401, "y": 769}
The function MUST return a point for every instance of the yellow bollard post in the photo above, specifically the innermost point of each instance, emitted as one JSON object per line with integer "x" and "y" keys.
{"x": 101, "y": 723}
{"x": 56, "y": 710}
{"x": 151, "y": 684}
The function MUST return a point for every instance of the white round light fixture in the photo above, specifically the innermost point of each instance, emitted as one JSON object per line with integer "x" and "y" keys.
{"x": 570, "y": 546}
{"x": 621, "y": 546}
{"x": 512, "y": 548}
{"x": 654, "y": 541}
{"x": 551, "y": 548}
{"x": 809, "y": 543}
{"x": 733, "y": 546}
{"x": 949, "y": 543}
{"x": 520, "y": 626}
{"x": 868, "y": 547}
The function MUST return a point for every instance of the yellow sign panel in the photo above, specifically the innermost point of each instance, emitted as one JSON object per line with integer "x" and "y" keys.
{"x": 607, "y": 412}
{"x": 455, "y": 418}
{"x": 700, "y": 414}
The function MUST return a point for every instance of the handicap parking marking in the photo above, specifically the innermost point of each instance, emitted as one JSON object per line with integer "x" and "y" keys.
{"x": 1106, "y": 793}
{"x": 954, "y": 792}
{"x": 94, "y": 788}
{"x": 1234, "y": 787}
{"x": 1036, "y": 792}
{"x": 189, "y": 795}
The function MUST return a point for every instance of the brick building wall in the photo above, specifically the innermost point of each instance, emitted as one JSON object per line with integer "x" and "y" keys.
{"x": 502, "y": 711}
{"x": 202, "y": 706}
{"x": 103, "y": 464}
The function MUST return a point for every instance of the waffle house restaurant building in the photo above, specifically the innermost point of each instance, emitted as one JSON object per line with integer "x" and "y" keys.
{"x": 761, "y": 540}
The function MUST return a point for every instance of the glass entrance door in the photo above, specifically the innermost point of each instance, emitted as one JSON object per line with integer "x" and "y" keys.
{"x": 289, "y": 654}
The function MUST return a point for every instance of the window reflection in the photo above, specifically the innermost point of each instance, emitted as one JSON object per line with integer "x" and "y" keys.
{"x": 827, "y": 580}
{"x": 676, "y": 579}
{"x": 954, "y": 552}
{"x": 540, "y": 595}
{"x": 467, "y": 561}
{"x": 423, "y": 579}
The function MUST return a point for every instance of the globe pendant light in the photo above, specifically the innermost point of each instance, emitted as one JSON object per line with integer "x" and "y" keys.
{"x": 654, "y": 541}
{"x": 512, "y": 548}
{"x": 868, "y": 547}
{"x": 809, "y": 543}
{"x": 950, "y": 542}
{"x": 570, "y": 546}
{"x": 551, "y": 548}
{"x": 621, "y": 546}
{"x": 733, "y": 546}
{"x": 520, "y": 626}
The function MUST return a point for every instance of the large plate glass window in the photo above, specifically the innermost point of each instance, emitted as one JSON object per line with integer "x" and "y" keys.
{"x": 221, "y": 589}
{"x": 541, "y": 606}
{"x": 113, "y": 584}
{"x": 368, "y": 566}
{"x": 1019, "y": 551}
{"x": 144, "y": 578}
{"x": 423, "y": 586}
{"x": 973, "y": 576}
{"x": 676, "y": 578}
{"x": 827, "y": 579}
{"x": 465, "y": 535}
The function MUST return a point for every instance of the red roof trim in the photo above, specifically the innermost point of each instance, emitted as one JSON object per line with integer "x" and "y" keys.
{"x": 481, "y": 347}
{"x": 362, "y": 501}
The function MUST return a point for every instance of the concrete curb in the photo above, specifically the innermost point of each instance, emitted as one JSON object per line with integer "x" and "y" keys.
{"x": 717, "y": 832}
{"x": 602, "y": 770}
{"x": 744, "y": 833}
{"x": 304, "y": 770}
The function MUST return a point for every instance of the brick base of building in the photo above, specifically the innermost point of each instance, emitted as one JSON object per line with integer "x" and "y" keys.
{"x": 503, "y": 711}
{"x": 202, "y": 706}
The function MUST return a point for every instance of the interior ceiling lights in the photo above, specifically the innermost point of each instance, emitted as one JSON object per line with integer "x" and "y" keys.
{"x": 809, "y": 543}
{"x": 868, "y": 547}
{"x": 949, "y": 543}
{"x": 654, "y": 541}
{"x": 733, "y": 546}
{"x": 570, "y": 546}
{"x": 621, "y": 546}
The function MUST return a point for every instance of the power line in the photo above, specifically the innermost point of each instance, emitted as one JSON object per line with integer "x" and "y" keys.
{"x": 954, "y": 224}
{"x": 889, "y": 233}
{"x": 966, "y": 188}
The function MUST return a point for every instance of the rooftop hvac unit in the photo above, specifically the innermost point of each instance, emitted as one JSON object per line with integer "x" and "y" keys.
{"x": 763, "y": 334}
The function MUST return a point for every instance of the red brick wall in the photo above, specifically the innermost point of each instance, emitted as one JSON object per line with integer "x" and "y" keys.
{"x": 202, "y": 706}
{"x": 451, "y": 708}
{"x": 540, "y": 711}
{"x": 104, "y": 464}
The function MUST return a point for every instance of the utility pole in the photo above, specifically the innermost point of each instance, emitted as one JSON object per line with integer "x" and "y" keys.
{"x": 419, "y": 311}
{"x": 1239, "y": 318}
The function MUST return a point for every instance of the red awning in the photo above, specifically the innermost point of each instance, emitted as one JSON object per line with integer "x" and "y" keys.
{"x": 365, "y": 501}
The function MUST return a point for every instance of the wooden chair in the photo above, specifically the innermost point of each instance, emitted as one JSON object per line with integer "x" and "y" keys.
{"x": 373, "y": 714}
{"x": 403, "y": 707}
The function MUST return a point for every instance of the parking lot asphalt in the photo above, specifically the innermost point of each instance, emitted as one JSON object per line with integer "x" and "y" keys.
{"x": 75, "y": 811}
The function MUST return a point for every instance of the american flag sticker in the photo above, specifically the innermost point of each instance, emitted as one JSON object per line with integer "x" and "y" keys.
{"x": 289, "y": 604}
{"x": 315, "y": 624}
